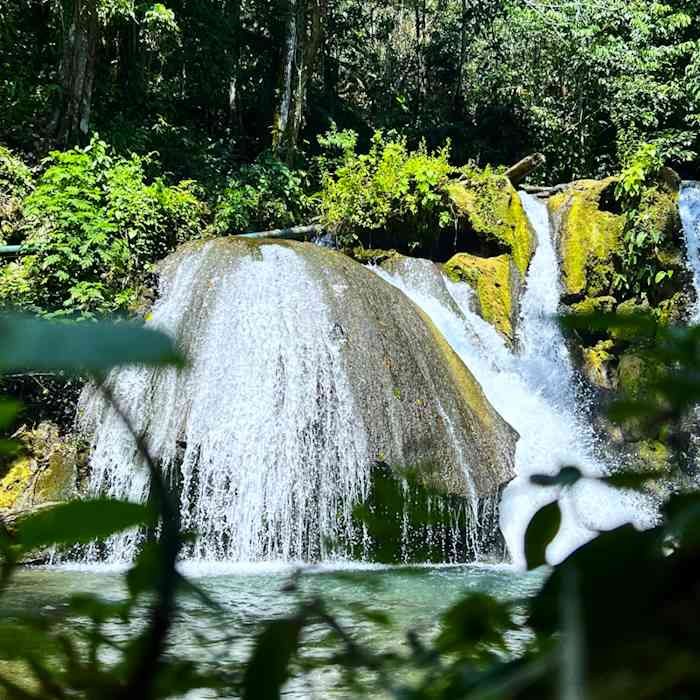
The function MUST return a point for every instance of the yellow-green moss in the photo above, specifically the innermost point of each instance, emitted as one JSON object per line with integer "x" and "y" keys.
{"x": 636, "y": 373}
{"x": 597, "y": 364}
{"x": 493, "y": 210}
{"x": 654, "y": 455}
{"x": 493, "y": 280}
{"x": 371, "y": 255}
{"x": 593, "y": 305}
{"x": 672, "y": 311}
{"x": 15, "y": 482}
{"x": 588, "y": 236}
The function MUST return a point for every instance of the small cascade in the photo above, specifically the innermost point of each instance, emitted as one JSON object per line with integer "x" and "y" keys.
{"x": 689, "y": 206}
{"x": 533, "y": 388}
{"x": 305, "y": 369}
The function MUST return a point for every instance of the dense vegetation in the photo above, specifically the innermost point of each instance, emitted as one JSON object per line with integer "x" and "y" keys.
{"x": 127, "y": 128}
{"x": 222, "y": 117}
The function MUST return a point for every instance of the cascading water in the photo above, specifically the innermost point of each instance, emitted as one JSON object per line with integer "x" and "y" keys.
{"x": 689, "y": 206}
{"x": 533, "y": 388}
{"x": 305, "y": 368}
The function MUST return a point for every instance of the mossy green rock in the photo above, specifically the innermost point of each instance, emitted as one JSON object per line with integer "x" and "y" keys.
{"x": 492, "y": 211}
{"x": 599, "y": 365}
{"x": 47, "y": 471}
{"x": 588, "y": 236}
{"x": 635, "y": 373}
{"x": 653, "y": 455}
{"x": 497, "y": 284}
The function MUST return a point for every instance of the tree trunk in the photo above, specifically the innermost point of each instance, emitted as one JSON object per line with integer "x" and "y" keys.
{"x": 77, "y": 72}
{"x": 303, "y": 29}
{"x": 235, "y": 116}
{"x": 518, "y": 172}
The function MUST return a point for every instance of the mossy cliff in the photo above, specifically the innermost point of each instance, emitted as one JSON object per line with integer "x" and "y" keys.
{"x": 496, "y": 242}
{"x": 589, "y": 234}
{"x": 490, "y": 218}
{"x": 615, "y": 258}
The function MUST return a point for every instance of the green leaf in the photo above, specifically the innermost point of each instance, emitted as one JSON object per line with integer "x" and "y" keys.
{"x": 268, "y": 667}
{"x": 35, "y": 344}
{"x": 540, "y": 532}
{"x": 79, "y": 522}
{"x": 567, "y": 476}
{"x": 630, "y": 480}
{"x": 9, "y": 410}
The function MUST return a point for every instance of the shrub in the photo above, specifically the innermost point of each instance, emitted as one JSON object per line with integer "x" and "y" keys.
{"x": 95, "y": 226}
{"x": 388, "y": 186}
{"x": 263, "y": 195}
{"x": 15, "y": 183}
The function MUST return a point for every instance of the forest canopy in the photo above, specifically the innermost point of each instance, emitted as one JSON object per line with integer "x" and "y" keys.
{"x": 209, "y": 85}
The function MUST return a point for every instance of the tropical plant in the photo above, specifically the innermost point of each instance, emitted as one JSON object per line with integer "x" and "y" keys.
{"x": 94, "y": 226}
{"x": 388, "y": 186}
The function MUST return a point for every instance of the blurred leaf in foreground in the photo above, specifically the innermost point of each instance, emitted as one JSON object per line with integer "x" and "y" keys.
{"x": 30, "y": 343}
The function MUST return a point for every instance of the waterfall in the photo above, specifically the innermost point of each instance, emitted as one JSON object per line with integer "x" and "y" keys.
{"x": 689, "y": 206}
{"x": 305, "y": 368}
{"x": 533, "y": 388}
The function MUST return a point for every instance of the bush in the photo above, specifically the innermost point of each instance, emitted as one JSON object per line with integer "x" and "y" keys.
{"x": 16, "y": 182}
{"x": 389, "y": 186}
{"x": 264, "y": 195}
{"x": 95, "y": 226}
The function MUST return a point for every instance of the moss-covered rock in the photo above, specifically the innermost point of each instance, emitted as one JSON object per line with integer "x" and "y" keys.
{"x": 375, "y": 256}
{"x": 673, "y": 311}
{"x": 635, "y": 373}
{"x": 489, "y": 210}
{"x": 497, "y": 285}
{"x": 589, "y": 228}
{"x": 654, "y": 455}
{"x": 599, "y": 365}
{"x": 595, "y": 305}
{"x": 48, "y": 470}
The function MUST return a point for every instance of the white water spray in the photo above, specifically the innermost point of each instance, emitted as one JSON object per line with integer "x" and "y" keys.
{"x": 689, "y": 206}
{"x": 534, "y": 390}
{"x": 304, "y": 370}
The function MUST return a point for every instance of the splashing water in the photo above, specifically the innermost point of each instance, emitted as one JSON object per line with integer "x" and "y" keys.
{"x": 689, "y": 206}
{"x": 533, "y": 388}
{"x": 305, "y": 368}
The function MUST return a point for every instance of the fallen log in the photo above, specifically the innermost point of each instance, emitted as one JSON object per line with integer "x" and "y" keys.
{"x": 294, "y": 233}
{"x": 545, "y": 190}
{"x": 518, "y": 172}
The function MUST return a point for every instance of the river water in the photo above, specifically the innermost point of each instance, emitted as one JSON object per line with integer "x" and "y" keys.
{"x": 412, "y": 597}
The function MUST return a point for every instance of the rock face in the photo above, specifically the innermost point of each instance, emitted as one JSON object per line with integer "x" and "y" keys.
{"x": 305, "y": 369}
{"x": 48, "y": 471}
{"x": 491, "y": 219}
{"x": 588, "y": 236}
{"x": 596, "y": 240}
